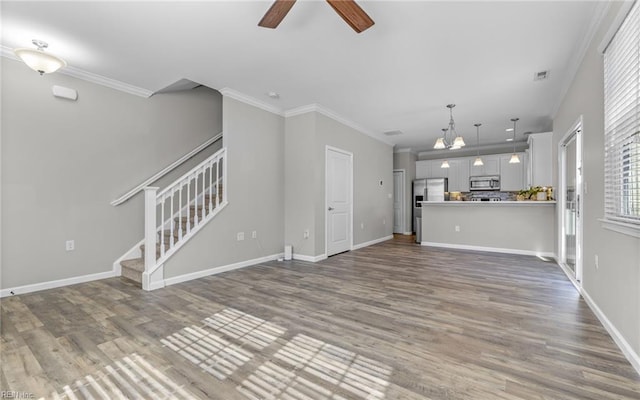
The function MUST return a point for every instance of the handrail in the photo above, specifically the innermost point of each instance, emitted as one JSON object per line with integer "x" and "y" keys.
{"x": 165, "y": 171}
{"x": 186, "y": 175}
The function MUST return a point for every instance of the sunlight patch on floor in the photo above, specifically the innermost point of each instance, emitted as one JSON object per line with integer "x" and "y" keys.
{"x": 343, "y": 374}
{"x": 246, "y": 328}
{"x": 129, "y": 378}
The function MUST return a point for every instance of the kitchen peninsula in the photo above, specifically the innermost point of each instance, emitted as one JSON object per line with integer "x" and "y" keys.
{"x": 517, "y": 227}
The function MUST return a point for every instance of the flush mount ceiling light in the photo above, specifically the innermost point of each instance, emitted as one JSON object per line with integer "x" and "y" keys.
{"x": 38, "y": 60}
{"x": 478, "y": 162}
{"x": 514, "y": 157}
{"x": 450, "y": 139}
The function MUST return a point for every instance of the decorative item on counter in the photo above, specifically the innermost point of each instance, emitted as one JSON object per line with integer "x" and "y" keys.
{"x": 533, "y": 193}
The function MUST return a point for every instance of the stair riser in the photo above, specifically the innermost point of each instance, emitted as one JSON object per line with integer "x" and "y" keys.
{"x": 132, "y": 274}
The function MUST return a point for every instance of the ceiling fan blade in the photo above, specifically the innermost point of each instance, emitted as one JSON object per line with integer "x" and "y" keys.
{"x": 276, "y": 13}
{"x": 352, "y": 14}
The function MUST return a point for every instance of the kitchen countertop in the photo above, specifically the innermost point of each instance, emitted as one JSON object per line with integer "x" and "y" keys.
{"x": 492, "y": 203}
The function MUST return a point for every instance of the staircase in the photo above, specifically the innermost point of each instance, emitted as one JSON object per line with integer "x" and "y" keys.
{"x": 173, "y": 216}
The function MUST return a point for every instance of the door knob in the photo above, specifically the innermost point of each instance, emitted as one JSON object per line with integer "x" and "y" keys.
{"x": 330, "y": 208}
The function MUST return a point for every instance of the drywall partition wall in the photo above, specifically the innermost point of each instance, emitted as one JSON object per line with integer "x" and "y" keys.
{"x": 406, "y": 160}
{"x": 301, "y": 177}
{"x": 63, "y": 162}
{"x": 254, "y": 139}
{"x": 614, "y": 287}
{"x": 372, "y": 181}
{"x": 307, "y": 138}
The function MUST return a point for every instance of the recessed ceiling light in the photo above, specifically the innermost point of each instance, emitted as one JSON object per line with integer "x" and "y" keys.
{"x": 273, "y": 95}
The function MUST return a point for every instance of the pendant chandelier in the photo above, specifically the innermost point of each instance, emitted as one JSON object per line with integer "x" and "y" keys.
{"x": 450, "y": 138}
{"x": 514, "y": 157}
{"x": 38, "y": 60}
{"x": 478, "y": 162}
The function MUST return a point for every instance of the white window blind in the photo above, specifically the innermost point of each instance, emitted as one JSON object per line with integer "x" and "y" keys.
{"x": 622, "y": 122}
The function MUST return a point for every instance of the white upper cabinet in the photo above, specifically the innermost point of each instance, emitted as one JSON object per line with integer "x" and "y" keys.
{"x": 459, "y": 175}
{"x": 512, "y": 176}
{"x": 491, "y": 166}
{"x": 540, "y": 165}
{"x": 430, "y": 169}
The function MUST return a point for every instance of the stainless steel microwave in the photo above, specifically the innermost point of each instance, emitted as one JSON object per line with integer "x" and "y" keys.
{"x": 480, "y": 183}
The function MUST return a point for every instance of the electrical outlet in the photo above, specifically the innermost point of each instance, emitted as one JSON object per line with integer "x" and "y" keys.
{"x": 254, "y": 234}
{"x": 457, "y": 228}
{"x": 70, "y": 245}
{"x": 597, "y": 261}
{"x": 305, "y": 234}
{"x": 240, "y": 236}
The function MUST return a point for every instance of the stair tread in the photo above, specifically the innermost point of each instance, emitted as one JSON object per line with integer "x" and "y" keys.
{"x": 134, "y": 263}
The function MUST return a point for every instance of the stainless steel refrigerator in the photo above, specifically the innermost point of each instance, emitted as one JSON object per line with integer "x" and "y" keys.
{"x": 430, "y": 189}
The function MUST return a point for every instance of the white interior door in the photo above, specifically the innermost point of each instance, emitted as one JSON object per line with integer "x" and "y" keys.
{"x": 339, "y": 200}
{"x": 398, "y": 201}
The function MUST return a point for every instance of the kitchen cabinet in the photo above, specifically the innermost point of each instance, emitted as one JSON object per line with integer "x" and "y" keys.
{"x": 540, "y": 164}
{"x": 512, "y": 176}
{"x": 459, "y": 175}
{"x": 491, "y": 166}
{"x": 430, "y": 169}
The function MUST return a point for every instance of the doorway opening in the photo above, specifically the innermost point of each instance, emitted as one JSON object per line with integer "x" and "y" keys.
{"x": 570, "y": 203}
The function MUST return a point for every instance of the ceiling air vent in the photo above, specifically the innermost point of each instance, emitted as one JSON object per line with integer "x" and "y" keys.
{"x": 393, "y": 133}
{"x": 540, "y": 76}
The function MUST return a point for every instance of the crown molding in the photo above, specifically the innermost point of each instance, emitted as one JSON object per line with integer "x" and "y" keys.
{"x": 405, "y": 150}
{"x": 252, "y": 101}
{"x": 576, "y": 60}
{"x": 336, "y": 117}
{"x": 88, "y": 76}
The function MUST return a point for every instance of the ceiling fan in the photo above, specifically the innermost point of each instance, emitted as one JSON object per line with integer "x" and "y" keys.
{"x": 350, "y": 12}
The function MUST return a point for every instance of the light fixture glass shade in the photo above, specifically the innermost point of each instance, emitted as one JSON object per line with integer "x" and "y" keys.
{"x": 40, "y": 61}
{"x": 514, "y": 159}
{"x": 458, "y": 142}
{"x": 439, "y": 144}
{"x": 478, "y": 162}
{"x": 445, "y": 164}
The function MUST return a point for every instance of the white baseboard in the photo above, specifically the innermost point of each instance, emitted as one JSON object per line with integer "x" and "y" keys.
{"x": 372, "y": 242}
{"x": 303, "y": 257}
{"x": 407, "y": 233}
{"x": 220, "y": 269}
{"x": 617, "y": 337}
{"x": 36, "y": 287}
{"x": 490, "y": 249}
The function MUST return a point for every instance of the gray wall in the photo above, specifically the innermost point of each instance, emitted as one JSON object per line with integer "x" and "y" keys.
{"x": 307, "y": 136}
{"x": 63, "y": 162}
{"x": 407, "y": 161}
{"x": 615, "y": 286}
{"x": 255, "y": 190}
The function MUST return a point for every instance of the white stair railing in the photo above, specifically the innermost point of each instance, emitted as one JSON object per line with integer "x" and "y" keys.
{"x": 175, "y": 214}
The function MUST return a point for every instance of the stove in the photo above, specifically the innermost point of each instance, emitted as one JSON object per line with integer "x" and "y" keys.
{"x": 491, "y": 199}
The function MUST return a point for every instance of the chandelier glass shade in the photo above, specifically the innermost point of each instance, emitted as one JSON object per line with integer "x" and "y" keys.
{"x": 450, "y": 138}
{"x": 38, "y": 60}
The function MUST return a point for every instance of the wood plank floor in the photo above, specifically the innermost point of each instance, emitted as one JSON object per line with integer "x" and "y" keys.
{"x": 390, "y": 321}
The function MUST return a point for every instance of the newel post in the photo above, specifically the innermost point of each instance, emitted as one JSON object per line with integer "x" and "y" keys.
{"x": 150, "y": 236}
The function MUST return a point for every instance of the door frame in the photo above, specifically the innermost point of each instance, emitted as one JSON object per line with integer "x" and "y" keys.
{"x": 577, "y": 131}
{"x": 403, "y": 226}
{"x": 326, "y": 192}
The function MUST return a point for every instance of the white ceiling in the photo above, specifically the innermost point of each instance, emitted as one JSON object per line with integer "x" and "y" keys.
{"x": 398, "y": 75}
